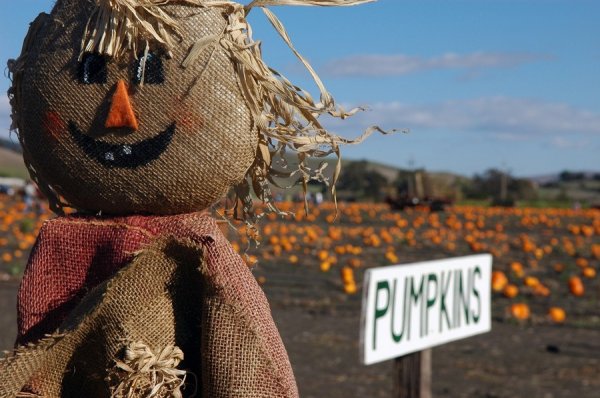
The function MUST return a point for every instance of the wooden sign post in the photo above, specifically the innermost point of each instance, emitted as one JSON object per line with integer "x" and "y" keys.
{"x": 413, "y": 375}
{"x": 407, "y": 309}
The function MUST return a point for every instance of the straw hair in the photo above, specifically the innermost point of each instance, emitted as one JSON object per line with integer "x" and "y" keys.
{"x": 118, "y": 26}
{"x": 286, "y": 116}
{"x": 141, "y": 372}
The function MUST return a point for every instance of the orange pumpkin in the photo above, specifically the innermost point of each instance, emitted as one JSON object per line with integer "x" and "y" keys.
{"x": 510, "y": 291}
{"x": 520, "y": 311}
{"x": 581, "y": 262}
{"x": 576, "y": 286}
{"x": 517, "y": 268}
{"x": 250, "y": 260}
{"x": 347, "y": 275}
{"x": 558, "y": 267}
{"x": 596, "y": 251}
{"x": 323, "y": 254}
{"x": 354, "y": 262}
{"x": 350, "y": 288}
{"x": 531, "y": 281}
{"x": 261, "y": 280}
{"x": 541, "y": 290}
{"x": 557, "y": 314}
{"x": 391, "y": 257}
{"x": 499, "y": 281}
{"x": 589, "y": 272}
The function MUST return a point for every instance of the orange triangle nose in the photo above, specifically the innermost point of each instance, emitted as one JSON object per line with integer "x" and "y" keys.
{"x": 121, "y": 112}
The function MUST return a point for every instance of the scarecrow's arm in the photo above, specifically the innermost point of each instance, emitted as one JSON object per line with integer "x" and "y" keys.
{"x": 243, "y": 354}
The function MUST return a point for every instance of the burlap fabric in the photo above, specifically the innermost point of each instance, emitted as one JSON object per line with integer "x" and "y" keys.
{"x": 181, "y": 285}
{"x": 214, "y": 139}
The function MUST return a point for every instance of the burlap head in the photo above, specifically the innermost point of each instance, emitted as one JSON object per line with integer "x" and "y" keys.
{"x": 229, "y": 114}
{"x": 120, "y": 170}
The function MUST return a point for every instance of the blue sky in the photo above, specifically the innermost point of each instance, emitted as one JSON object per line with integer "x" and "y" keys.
{"x": 480, "y": 83}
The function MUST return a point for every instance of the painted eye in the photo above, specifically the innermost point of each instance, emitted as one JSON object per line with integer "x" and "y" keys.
{"x": 92, "y": 69}
{"x": 149, "y": 69}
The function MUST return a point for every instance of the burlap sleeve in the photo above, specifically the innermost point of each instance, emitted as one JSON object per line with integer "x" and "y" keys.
{"x": 243, "y": 354}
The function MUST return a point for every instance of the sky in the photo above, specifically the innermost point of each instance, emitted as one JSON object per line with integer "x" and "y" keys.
{"x": 509, "y": 84}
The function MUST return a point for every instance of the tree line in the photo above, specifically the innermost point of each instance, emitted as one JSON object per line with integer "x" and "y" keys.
{"x": 361, "y": 182}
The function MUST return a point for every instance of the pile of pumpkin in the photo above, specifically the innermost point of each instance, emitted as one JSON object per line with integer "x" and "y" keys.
{"x": 540, "y": 255}
{"x": 19, "y": 227}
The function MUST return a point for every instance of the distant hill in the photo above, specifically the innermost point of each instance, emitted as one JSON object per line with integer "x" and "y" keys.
{"x": 11, "y": 164}
{"x": 557, "y": 177}
{"x": 563, "y": 188}
{"x": 10, "y": 145}
{"x": 424, "y": 183}
{"x": 581, "y": 186}
{"x": 11, "y": 160}
{"x": 389, "y": 172}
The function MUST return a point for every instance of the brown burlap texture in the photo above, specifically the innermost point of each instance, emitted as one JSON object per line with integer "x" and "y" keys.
{"x": 214, "y": 141}
{"x": 187, "y": 288}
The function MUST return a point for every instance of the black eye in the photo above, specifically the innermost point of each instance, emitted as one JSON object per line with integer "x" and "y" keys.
{"x": 150, "y": 69}
{"x": 92, "y": 69}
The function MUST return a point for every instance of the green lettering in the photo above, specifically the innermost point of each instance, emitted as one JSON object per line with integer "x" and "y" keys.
{"x": 407, "y": 308}
{"x": 476, "y": 315}
{"x": 455, "y": 304}
{"x": 414, "y": 298}
{"x": 398, "y": 336}
{"x": 379, "y": 312}
{"x": 443, "y": 293}
{"x": 430, "y": 301}
{"x": 462, "y": 300}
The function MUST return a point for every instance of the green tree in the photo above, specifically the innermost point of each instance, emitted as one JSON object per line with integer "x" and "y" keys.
{"x": 362, "y": 182}
{"x": 500, "y": 186}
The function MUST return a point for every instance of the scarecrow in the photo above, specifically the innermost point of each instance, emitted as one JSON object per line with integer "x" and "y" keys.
{"x": 141, "y": 115}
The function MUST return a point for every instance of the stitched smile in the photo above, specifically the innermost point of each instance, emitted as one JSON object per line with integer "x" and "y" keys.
{"x": 125, "y": 156}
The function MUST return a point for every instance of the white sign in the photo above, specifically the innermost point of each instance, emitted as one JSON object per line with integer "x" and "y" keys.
{"x": 407, "y": 308}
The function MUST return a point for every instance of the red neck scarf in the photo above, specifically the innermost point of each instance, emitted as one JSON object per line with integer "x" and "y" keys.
{"x": 72, "y": 255}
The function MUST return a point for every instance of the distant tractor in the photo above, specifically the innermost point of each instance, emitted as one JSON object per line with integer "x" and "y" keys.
{"x": 419, "y": 188}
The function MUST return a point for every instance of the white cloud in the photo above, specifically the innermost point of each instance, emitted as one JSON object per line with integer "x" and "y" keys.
{"x": 372, "y": 65}
{"x": 568, "y": 143}
{"x": 504, "y": 118}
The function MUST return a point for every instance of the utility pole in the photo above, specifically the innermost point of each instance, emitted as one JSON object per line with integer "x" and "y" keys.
{"x": 504, "y": 182}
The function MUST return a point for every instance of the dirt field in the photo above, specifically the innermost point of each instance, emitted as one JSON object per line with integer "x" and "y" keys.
{"x": 8, "y": 314}
{"x": 511, "y": 361}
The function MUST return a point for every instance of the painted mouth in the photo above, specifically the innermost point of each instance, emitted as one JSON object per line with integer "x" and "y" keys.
{"x": 124, "y": 156}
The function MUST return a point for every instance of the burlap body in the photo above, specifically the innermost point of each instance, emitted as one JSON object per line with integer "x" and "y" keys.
{"x": 185, "y": 287}
{"x": 213, "y": 145}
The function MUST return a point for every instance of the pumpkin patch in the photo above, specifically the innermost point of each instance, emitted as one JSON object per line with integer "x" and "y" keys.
{"x": 370, "y": 235}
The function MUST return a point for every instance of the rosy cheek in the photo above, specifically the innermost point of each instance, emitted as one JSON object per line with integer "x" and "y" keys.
{"x": 187, "y": 117}
{"x": 53, "y": 124}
